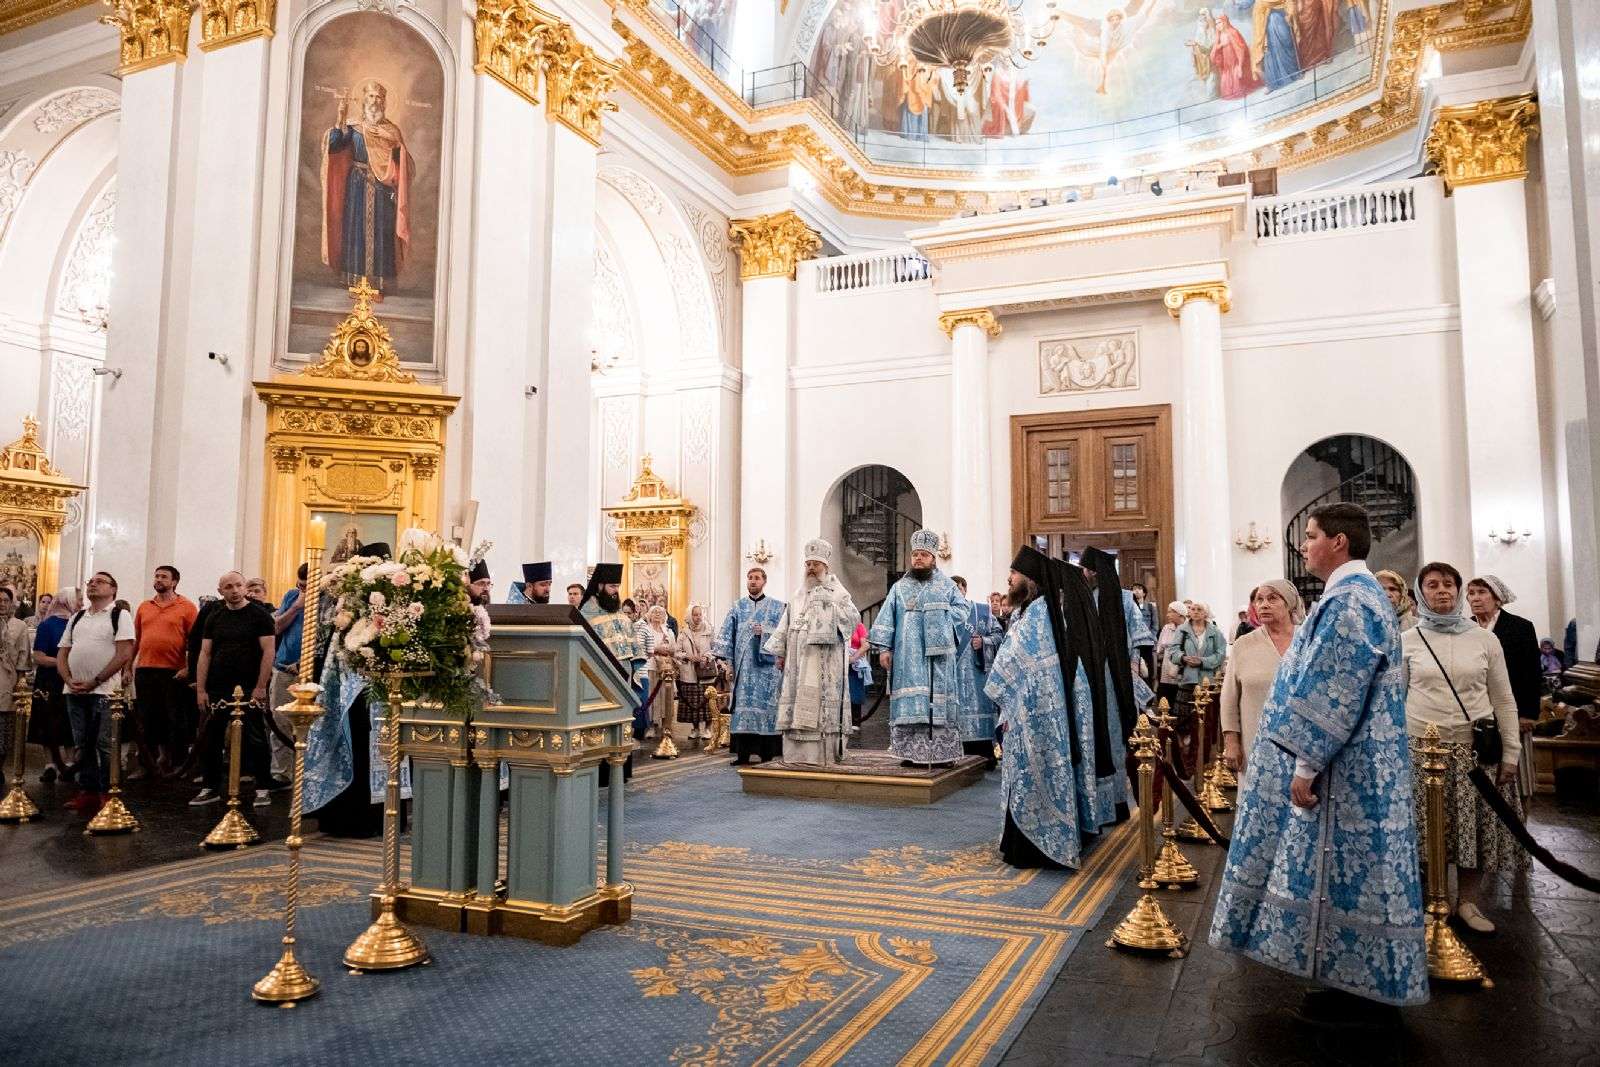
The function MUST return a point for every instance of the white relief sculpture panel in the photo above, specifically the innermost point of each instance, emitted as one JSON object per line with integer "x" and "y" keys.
{"x": 712, "y": 233}
{"x": 610, "y": 312}
{"x": 74, "y": 107}
{"x": 15, "y": 170}
{"x": 86, "y": 281}
{"x": 697, "y": 430}
{"x": 640, "y": 193}
{"x": 71, "y": 404}
{"x": 695, "y": 319}
{"x": 1089, "y": 363}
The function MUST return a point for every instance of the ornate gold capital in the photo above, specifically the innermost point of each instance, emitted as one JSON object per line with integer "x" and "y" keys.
{"x": 1179, "y": 295}
{"x": 517, "y": 44}
{"x": 982, "y": 318}
{"x": 225, "y": 22}
{"x": 153, "y": 31}
{"x": 285, "y": 458}
{"x": 770, "y": 246}
{"x": 1483, "y": 142}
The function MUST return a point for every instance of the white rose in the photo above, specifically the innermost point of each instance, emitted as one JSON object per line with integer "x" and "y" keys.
{"x": 414, "y": 538}
{"x": 376, "y": 599}
{"x": 342, "y": 620}
{"x": 415, "y": 609}
{"x": 459, "y": 554}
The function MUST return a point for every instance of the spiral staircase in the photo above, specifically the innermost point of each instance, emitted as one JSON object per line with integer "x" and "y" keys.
{"x": 873, "y": 526}
{"x": 1371, "y": 474}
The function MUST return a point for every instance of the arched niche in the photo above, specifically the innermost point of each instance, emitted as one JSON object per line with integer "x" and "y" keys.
{"x": 1353, "y": 469}
{"x": 869, "y": 514}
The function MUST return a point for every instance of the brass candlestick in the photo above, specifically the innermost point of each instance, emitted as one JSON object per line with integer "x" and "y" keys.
{"x": 1221, "y": 774}
{"x": 667, "y": 748}
{"x": 714, "y": 709}
{"x": 114, "y": 816}
{"x": 233, "y": 831}
{"x": 18, "y": 807}
{"x": 1147, "y": 928}
{"x": 288, "y": 982}
{"x": 387, "y": 944}
{"x": 1207, "y": 792}
{"x": 1190, "y": 829}
{"x": 1448, "y": 959}
{"x": 1172, "y": 868}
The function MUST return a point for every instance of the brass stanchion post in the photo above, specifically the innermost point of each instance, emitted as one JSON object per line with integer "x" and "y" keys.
{"x": 1206, "y": 791}
{"x": 387, "y": 944}
{"x": 288, "y": 981}
{"x": 1172, "y": 869}
{"x": 667, "y": 748}
{"x": 114, "y": 816}
{"x": 1448, "y": 959}
{"x": 18, "y": 807}
{"x": 234, "y": 830}
{"x": 1147, "y": 927}
{"x": 714, "y": 709}
{"x": 1190, "y": 829}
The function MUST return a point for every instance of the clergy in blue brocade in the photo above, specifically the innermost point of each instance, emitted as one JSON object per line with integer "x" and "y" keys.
{"x": 366, "y": 191}
{"x": 345, "y": 773}
{"x": 1103, "y": 798}
{"x": 753, "y": 715}
{"x": 917, "y": 634}
{"x": 1123, "y": 627}
{"x": 1322, "y": 875}
{"x": 1042, "y": 722}
{"x": 601, "y": 607}
{"x": 977, "y": 719}
{"x": 535, "y": 585}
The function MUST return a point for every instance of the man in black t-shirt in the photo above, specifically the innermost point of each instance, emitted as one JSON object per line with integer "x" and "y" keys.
{"x": 235, "y": 650}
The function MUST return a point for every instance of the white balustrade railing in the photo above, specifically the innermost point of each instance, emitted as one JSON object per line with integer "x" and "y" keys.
{"x": 1330, "y": 211}
{"x": 874, "y": 270}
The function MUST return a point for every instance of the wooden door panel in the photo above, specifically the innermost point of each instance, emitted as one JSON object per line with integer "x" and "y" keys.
{"x": 1059, "y": 465}
{"x": 1127, "y": 482}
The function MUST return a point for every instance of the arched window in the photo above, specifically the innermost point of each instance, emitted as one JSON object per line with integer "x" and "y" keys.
{"x": 1352, "y": 469}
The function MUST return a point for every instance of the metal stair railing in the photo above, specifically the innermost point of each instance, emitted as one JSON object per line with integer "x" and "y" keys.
{"x": 1385, "y": 486}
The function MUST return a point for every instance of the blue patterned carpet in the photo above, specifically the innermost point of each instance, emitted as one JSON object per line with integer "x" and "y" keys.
{"x": 765, "y": 931}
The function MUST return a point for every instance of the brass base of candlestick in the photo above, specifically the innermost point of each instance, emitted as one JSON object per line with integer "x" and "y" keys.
{"x": 286, "y": 983}
{"x": 231, "y": 832}
{"x": 113, "y": 818}
{"x": 1448, "y": 959}
{"x": 666, "y": 749}
{"x": 18, "y": 807}
{"x": 1172, "y": 869}
{"x": 386, "y": 945}
{"x": 1147, "y": 929}
{"x": 1223, "y": 775}
{"x": 1190, "y": 830}
{"x": 1211, "y": 798}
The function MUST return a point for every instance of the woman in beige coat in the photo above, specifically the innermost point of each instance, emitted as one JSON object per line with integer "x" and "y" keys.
{"x": 1253, "y": 665}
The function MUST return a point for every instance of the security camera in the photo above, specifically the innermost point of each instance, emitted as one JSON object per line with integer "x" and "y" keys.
{"x": 220, "y": 357}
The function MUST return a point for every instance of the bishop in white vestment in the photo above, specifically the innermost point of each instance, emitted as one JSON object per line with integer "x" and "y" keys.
{"x": 812, "y": 646}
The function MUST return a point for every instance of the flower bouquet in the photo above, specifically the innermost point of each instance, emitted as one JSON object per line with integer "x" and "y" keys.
{"x": 409, "y": 616}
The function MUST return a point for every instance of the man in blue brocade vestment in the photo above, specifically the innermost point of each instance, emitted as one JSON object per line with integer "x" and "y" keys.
{"x": 977, "y": 719}
{"x": 917, "y": 634}
{"x": 1322, "y": 874}
{"x": 753, "y": 717}
{"x": 366, "y": 191}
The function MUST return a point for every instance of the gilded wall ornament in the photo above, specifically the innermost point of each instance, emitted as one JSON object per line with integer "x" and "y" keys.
{"x": 771, "y": 246}
{"x": 225, "y": 22}
{"x": 518, "y": 44}
{"x": 360, "y": 348}
{"x": 982, "y": 318}
{"x": 153, "y": 31}
{"x": 1179, "y": 295}
{"x": 578, "y": 83}
{"x": 1483, "y": 142}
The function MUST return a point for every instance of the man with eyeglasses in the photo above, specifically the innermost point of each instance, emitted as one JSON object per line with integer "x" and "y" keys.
{"x": 97, "y": 645}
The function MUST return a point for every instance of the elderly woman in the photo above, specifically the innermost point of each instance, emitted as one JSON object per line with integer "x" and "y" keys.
{"x": 1254, "y": 664}
{"x": 1199, "y": 648}
{"x": 1456, "y": 672}
{"x": 661, "y": 645}
{"x": 696, "y": 668}
{"x": 1487, "y": 597}
{"x": 1405, "y": 609}
{"x": 1168, "y": 673}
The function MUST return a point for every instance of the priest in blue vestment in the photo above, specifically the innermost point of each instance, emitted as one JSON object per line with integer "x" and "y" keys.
{"x": 753, "y": 716}
{"x": 1103, "y": 798}
{"x": 977, "y": 719}
{"x": 917, "y": 634}
{"x": 1322, "y": 875}
{"x": 535, "y": 585}
{"x": 1123, "y": 628}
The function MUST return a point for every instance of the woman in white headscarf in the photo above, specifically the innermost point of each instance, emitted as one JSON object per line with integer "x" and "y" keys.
{"x": 662, "y": 643}
{"x": 1167, "y": 672}
{"x": 1456, "y": 675}
{"x": 696, "y": 668}
{"x": 1276, "y": 610}
{"x": 1488, "y": 596}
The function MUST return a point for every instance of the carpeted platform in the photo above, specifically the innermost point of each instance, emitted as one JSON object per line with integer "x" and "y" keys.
{"x": 765, "y": 931}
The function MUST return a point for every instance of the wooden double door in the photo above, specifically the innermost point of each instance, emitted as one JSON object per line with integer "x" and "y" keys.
{"x": 1101, "y": 478}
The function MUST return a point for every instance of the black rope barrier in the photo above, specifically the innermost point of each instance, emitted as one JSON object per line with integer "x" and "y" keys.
{"x": 1181, "y": 791}
{"x": 1509, "y": 819}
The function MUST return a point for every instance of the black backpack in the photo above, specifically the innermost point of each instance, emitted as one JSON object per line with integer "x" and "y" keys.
{"x": 116, "y": 617}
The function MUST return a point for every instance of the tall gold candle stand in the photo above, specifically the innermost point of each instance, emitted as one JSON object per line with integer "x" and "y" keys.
{"x": 1190, "y": 829}
{"x": 114, "y": 816}
{"x": 387, "y": 944}
{"x": 1147, "y": 927}
{"x": 18, "y": 807}
{"x": 1221, "y": 774}
{"x": 667, "y": 748}
{"x": 288, "y": 981}
{"x": 714, "y": 714}
{"x": 1448, "y": 959}
{"x": 1208, "y": 794}
{"x": 233, "y": 831}
{"x": 1172, "y": 869}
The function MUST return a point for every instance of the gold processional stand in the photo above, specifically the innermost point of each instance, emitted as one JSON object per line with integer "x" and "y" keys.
{"x": 233, "y": 830}
{"x": 1172, "y": 868}
{"x": 114, "y": 816}
{"x": 1448, "y": 959}
{"x": 18, "y": 807}
{"x": 1147, "y": 928}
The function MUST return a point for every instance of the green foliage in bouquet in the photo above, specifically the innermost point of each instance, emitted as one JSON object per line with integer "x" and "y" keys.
{"x": 410, "y": 614}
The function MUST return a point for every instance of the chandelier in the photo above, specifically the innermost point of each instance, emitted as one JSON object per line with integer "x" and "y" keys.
{"x": 961, "y": 35}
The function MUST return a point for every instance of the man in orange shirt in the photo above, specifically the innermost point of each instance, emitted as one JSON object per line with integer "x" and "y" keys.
{"x": 161, "y": 673}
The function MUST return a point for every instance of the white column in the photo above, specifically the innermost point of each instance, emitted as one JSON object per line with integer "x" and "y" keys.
{"x": 766, "y": 468}
{"x": 1204, "y": 552}
{"x": 1499, "y": 391}
{"x": 971, "y": 483}
{"x": 137, "y": 469}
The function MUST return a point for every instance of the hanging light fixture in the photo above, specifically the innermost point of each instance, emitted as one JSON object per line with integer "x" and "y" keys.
{"x": 962, "y": 36}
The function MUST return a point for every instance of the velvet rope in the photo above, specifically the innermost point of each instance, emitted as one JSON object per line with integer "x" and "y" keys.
{"x": 1181, "y": 791}
{"x": 1509, "y": 819}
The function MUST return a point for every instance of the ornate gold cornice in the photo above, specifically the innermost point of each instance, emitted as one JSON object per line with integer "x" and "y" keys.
{"x": 982, "y": 318}
{"x": 1179, "y": 295}
{"x": 770, "y": 246}
{"x": 517, "y": 44}
{"x": 153, "y": 31}
{"x": 1483, "y": 142}
{"x": 20, "y": 14}
{"x": 225, "y": 22}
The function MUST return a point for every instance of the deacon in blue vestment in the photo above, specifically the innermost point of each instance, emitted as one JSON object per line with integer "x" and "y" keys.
{"x": 535, "y": 585}
{"x": 918, "y": 632}
{"x": 1104, "y": 798}
{"x": 1123, "y": 628}
{"x": 1322, "y": 875}
{"x": 977, "y": 719}
{"x": 1041, "y": 769}
{"x": 753, "y": 718}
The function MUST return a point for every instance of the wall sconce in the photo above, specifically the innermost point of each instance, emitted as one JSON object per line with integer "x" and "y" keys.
{"x": 1509, "y": 535}
{"x": 100, "y": 372}
{"x": 943, "y": 551}
{"x": 762, "y": 554}
{"x": 1252, "y": 541}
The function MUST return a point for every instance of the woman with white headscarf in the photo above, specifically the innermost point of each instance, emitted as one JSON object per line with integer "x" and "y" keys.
{"x": 1276, "y": 610}
{"x": 662, "y": 643}
{"x": 1167, "y": 672}
{"x": 1456, "y": 675}
{"x": 696, "y": 668}
{"x": 1487, "y": 596}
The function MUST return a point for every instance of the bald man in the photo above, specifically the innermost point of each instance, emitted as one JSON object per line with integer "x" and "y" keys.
{"x": 236, "y": 650}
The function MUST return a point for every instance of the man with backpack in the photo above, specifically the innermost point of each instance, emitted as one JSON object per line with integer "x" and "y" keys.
{"x": 97, "y": 645}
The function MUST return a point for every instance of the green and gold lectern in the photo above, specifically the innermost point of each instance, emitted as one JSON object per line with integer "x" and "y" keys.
{"x": 561, "y": 706}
